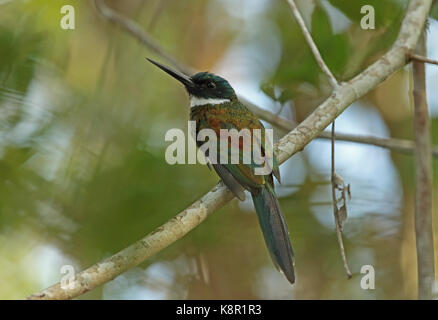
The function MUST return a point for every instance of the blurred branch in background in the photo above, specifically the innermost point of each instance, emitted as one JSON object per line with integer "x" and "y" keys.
{"x": 290, "y": 144}
{"x": 398, "y": 145}
{"x": 423, "y": 177}
{"x": 157, "y": 13}
{"x": 336, "y": 211}
{"x": 420, "y": 58}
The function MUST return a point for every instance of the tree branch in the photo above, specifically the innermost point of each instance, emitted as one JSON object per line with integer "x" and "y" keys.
{"x": 423, "y": 177}
{"x": 312, "y": 44}
{"x": 420, "y": 58}
{"x": 290, "y": 144}
{"x": 137, "y": 32}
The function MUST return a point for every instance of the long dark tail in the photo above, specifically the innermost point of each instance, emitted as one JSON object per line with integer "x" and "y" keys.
{"x": 275, "y": 231}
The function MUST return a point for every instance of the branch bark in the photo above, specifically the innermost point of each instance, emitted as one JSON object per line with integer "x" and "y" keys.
{"x": 423, "y": 179}
{"x": 290, "y": 144}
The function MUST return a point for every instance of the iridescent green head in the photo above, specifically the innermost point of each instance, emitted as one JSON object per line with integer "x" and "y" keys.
{"x": 203, "y": 85}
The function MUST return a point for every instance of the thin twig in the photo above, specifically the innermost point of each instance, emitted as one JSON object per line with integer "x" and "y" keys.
{"x": 423, "y": 177}
{"x": 393, "y": 144}
{"x": 312, "y": 44}
{"x": 398, "y": 145}
{"x": 293, "y": 142}
{"x": 338, "y": 221}
{"x": 135, "y": 30}
{"x": 420, "y": 58}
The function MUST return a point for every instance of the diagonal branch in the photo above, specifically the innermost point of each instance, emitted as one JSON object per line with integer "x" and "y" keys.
{"x": 312, "y": 44}
{"x": 290, "y": 144}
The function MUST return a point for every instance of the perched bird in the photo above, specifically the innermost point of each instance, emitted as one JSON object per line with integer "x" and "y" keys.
{"x": 214, "y": 105}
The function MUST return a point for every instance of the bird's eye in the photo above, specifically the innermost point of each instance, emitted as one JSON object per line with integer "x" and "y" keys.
{"x": 211, "y": 85}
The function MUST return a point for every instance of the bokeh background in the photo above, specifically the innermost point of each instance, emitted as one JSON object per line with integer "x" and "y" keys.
{"x": 82, "y": 168}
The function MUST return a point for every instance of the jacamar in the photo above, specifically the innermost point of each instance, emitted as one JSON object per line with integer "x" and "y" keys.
{"x": 214, "y": 105}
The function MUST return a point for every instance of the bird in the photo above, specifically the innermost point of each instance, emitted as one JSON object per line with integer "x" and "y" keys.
{"x": 214, "y": 105}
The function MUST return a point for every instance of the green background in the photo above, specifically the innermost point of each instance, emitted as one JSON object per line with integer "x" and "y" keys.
{"x": 82, "y": 168}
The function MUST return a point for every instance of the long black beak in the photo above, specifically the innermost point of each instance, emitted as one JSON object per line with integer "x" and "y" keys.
{"x": 185, "y": 80}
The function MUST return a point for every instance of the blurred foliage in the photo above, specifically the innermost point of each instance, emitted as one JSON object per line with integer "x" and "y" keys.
{"x": 82, "y": 168}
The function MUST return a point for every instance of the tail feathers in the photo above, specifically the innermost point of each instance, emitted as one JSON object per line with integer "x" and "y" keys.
{"x": 275, "y": 231}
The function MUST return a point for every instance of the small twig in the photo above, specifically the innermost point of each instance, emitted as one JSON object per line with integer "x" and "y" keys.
{"x": 312, "y": 44}
{"x": 419, "y": 58}
{"x": 338, "y": 220}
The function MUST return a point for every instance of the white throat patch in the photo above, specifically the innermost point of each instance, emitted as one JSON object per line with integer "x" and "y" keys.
{"x": 195, "y": 101}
